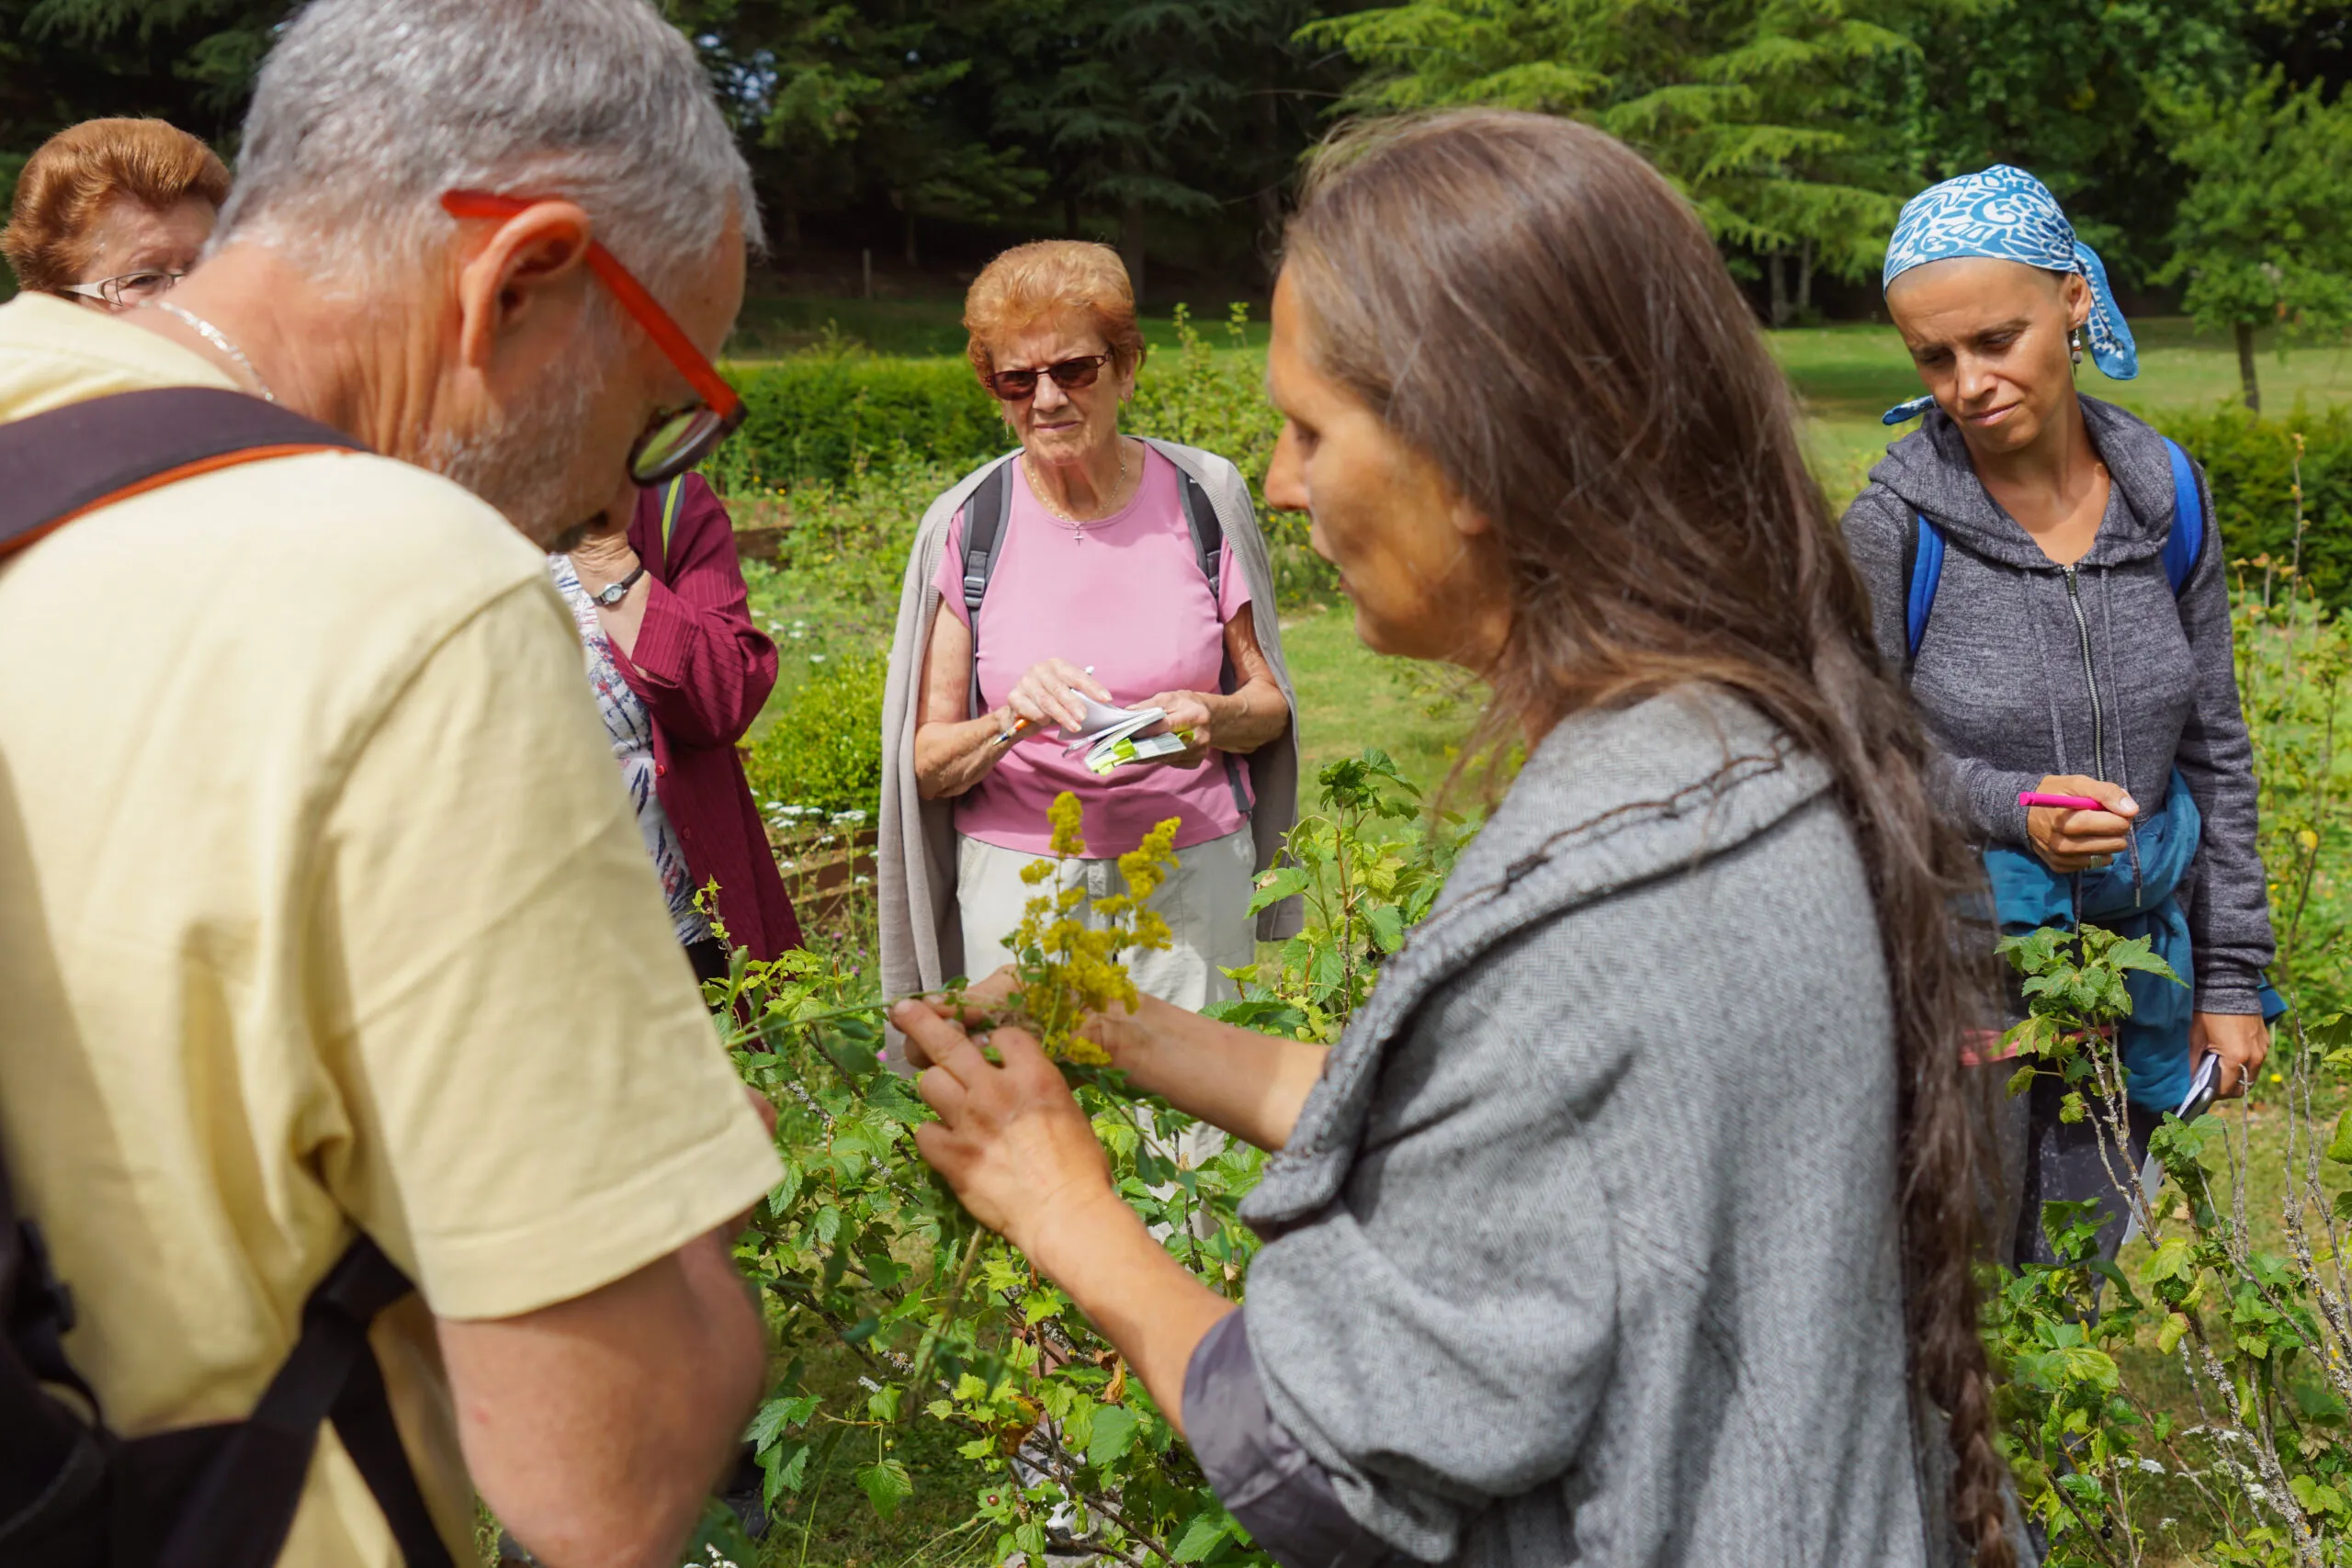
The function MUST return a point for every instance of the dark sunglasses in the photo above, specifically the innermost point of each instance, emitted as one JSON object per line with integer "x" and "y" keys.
{"x": 675, "y": 439}
{"x": 1012, "y": 386}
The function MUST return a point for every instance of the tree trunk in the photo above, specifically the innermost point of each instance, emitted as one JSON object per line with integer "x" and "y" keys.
{"x": 1270, "y": 194}
{"x": 1131, "y": 246}
{"x": 907, "y": 208}
{"x": 1804, "y": 281}
{"x": 2246, "y": 367}
{"x": 1776, "y": 269}
{"x": 788, "y": 241}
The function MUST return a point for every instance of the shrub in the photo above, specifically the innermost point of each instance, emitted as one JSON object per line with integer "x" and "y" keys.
{"x": 822, "y": 415}
{"x": 2252, "y": 464}
{"x": 824, "y": 749}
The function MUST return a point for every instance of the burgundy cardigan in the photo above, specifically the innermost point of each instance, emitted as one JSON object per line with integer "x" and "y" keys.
{"x": 703, "y": 670}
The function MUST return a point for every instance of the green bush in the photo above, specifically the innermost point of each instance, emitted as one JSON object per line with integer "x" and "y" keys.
{"x": 823, "y": 750}
{"x": 820, "y": 416}
{"x": 2251, "y": 461}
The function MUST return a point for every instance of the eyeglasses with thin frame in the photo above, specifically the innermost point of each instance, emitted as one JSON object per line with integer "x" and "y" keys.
{"x": 125, "y": 289}
{"x": 676, "y": 438}
{"x": 1018, "y": 386}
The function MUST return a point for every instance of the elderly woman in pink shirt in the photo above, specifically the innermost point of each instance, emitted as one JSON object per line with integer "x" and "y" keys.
{"x": 1106, "y": 567}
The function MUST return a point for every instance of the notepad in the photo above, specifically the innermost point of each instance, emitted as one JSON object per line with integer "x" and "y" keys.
{"x": 1109, "y": 736}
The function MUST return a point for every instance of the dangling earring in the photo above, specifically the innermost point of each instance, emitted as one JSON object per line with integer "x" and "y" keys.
{"x": 2074, "y": 345}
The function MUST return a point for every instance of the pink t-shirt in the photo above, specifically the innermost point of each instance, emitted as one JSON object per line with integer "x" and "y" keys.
{"x": 1126, "y": 595}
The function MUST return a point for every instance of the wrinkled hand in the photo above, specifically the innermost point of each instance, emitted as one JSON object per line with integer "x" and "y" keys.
{"x": 602, "y": 555}
{"x": 1010, "y": 1139}
{"x": 2241, "y": 1040}
{"x": 1185, "y": 710}
{"x": 2081, "y": 841}
{"x": 1042, "y": 696}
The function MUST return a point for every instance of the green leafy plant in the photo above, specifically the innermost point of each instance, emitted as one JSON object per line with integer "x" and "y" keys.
{"x": 1364, "y": 890}
{"x": 860, "y": 1251}
{"x": 2261, "y": 1338}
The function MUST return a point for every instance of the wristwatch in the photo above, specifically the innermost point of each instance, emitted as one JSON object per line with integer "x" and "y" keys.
{"x": 614, "y": 593}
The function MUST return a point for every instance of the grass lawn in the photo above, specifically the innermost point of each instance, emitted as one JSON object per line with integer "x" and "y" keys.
{"x": 1350, "y": 698}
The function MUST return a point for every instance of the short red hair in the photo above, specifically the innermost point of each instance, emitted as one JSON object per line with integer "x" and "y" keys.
{"x": 79, "y": 170}
{"x": 1050, "y": 278}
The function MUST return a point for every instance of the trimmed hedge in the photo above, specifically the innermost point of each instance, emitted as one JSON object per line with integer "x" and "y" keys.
{"x": 823, "y": 751}
{"x": 2251, "y": 464}
{"x": 823, "y": 417}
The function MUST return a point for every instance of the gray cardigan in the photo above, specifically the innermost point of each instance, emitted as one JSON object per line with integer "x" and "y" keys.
{"x": 1585, "y": 1247}
{"x": 923, "y": 937}
{"x": 2000, "y": 674}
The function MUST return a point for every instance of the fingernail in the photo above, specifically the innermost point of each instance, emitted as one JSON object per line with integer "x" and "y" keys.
{"x": 2128, "y": 804}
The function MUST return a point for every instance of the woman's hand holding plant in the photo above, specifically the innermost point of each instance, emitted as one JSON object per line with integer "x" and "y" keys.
{"x": 1011, "y": 1137}
{"x": 2069, "y": 840}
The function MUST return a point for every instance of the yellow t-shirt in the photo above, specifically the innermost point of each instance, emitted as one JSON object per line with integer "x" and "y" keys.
{"x": 322, "y": 904}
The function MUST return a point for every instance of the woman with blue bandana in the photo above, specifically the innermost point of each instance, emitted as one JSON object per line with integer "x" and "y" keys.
{"x": 2043, "y": 566}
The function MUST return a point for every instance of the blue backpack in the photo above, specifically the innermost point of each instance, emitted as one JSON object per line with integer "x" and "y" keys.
{"x": 1924, "y": 554}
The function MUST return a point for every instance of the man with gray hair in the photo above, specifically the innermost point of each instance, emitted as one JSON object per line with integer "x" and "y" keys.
{"x": 323, "y": 918}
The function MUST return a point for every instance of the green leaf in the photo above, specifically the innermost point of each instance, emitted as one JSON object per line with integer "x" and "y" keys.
{"x": 2340, "y": 1147}
{"x": 2168, "y": 1336}
{"x": 886, "y": 1485}
{"x": 778, "y": 1416}
{"x": 1114, "y": 1433}
{"x": 1387, "y": 923}
{"x": 2174, "y": 1260}
{"x": 2317, "y": 1498}
{"x": 1203, "y": 1535}
{"x": 783, "y": 1468}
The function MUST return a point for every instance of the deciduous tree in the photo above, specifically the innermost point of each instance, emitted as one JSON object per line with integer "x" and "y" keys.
{"x": 2264, "y": 235}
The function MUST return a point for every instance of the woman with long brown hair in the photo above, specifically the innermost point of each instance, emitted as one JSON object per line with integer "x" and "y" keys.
{"x": 1631, "y": 1221}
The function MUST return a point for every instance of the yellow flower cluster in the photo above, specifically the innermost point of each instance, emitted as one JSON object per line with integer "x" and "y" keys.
{"x": 1071, "y": 967}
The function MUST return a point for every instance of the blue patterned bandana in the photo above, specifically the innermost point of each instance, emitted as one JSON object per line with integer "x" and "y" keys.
{"x": 2009, "y": 215}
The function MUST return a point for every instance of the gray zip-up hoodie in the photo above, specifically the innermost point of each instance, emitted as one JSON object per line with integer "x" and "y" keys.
{"x": 2027, "y": 669}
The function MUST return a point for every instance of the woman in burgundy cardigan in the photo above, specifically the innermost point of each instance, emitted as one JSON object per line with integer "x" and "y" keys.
{"x": 679, "y": 673}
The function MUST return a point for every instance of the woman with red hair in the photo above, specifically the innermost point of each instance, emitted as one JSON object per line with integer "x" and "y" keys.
{"x": 113, "y": 213}
{"x": 1088, "y": 565}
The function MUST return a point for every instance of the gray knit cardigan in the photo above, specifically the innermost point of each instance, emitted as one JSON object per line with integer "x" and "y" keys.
{"x": 1585, "y": 1247}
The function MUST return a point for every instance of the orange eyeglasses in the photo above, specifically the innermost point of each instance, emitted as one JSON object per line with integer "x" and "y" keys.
{"x": 677, "y": 438}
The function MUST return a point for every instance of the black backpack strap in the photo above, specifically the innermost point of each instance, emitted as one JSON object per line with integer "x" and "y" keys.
{"x": 58, "y": 464}
{"x": 985, "y": 511}
{"x": 1208, "y": 547}
{"x": 241, "y": 1510}
{"x": 53, "y": 1459}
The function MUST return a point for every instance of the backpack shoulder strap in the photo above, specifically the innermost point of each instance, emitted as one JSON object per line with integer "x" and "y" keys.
{"x": 240, "y": 1513}
{"x": 56, "y": 465}
{"x": 1208, "y": 547}
{"x": 1923, "y": 568}
{"x": 985, "y": 511}
{"x": 1208, "y": 533}
{"x": 670, "y": 492}
{"x": 2187, "y": 540}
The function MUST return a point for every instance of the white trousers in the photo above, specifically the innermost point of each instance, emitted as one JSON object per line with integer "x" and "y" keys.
{"x": 1206, "y": 902}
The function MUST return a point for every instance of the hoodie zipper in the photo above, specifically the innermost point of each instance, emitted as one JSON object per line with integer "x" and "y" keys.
{"x": 2090, "y": 675}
